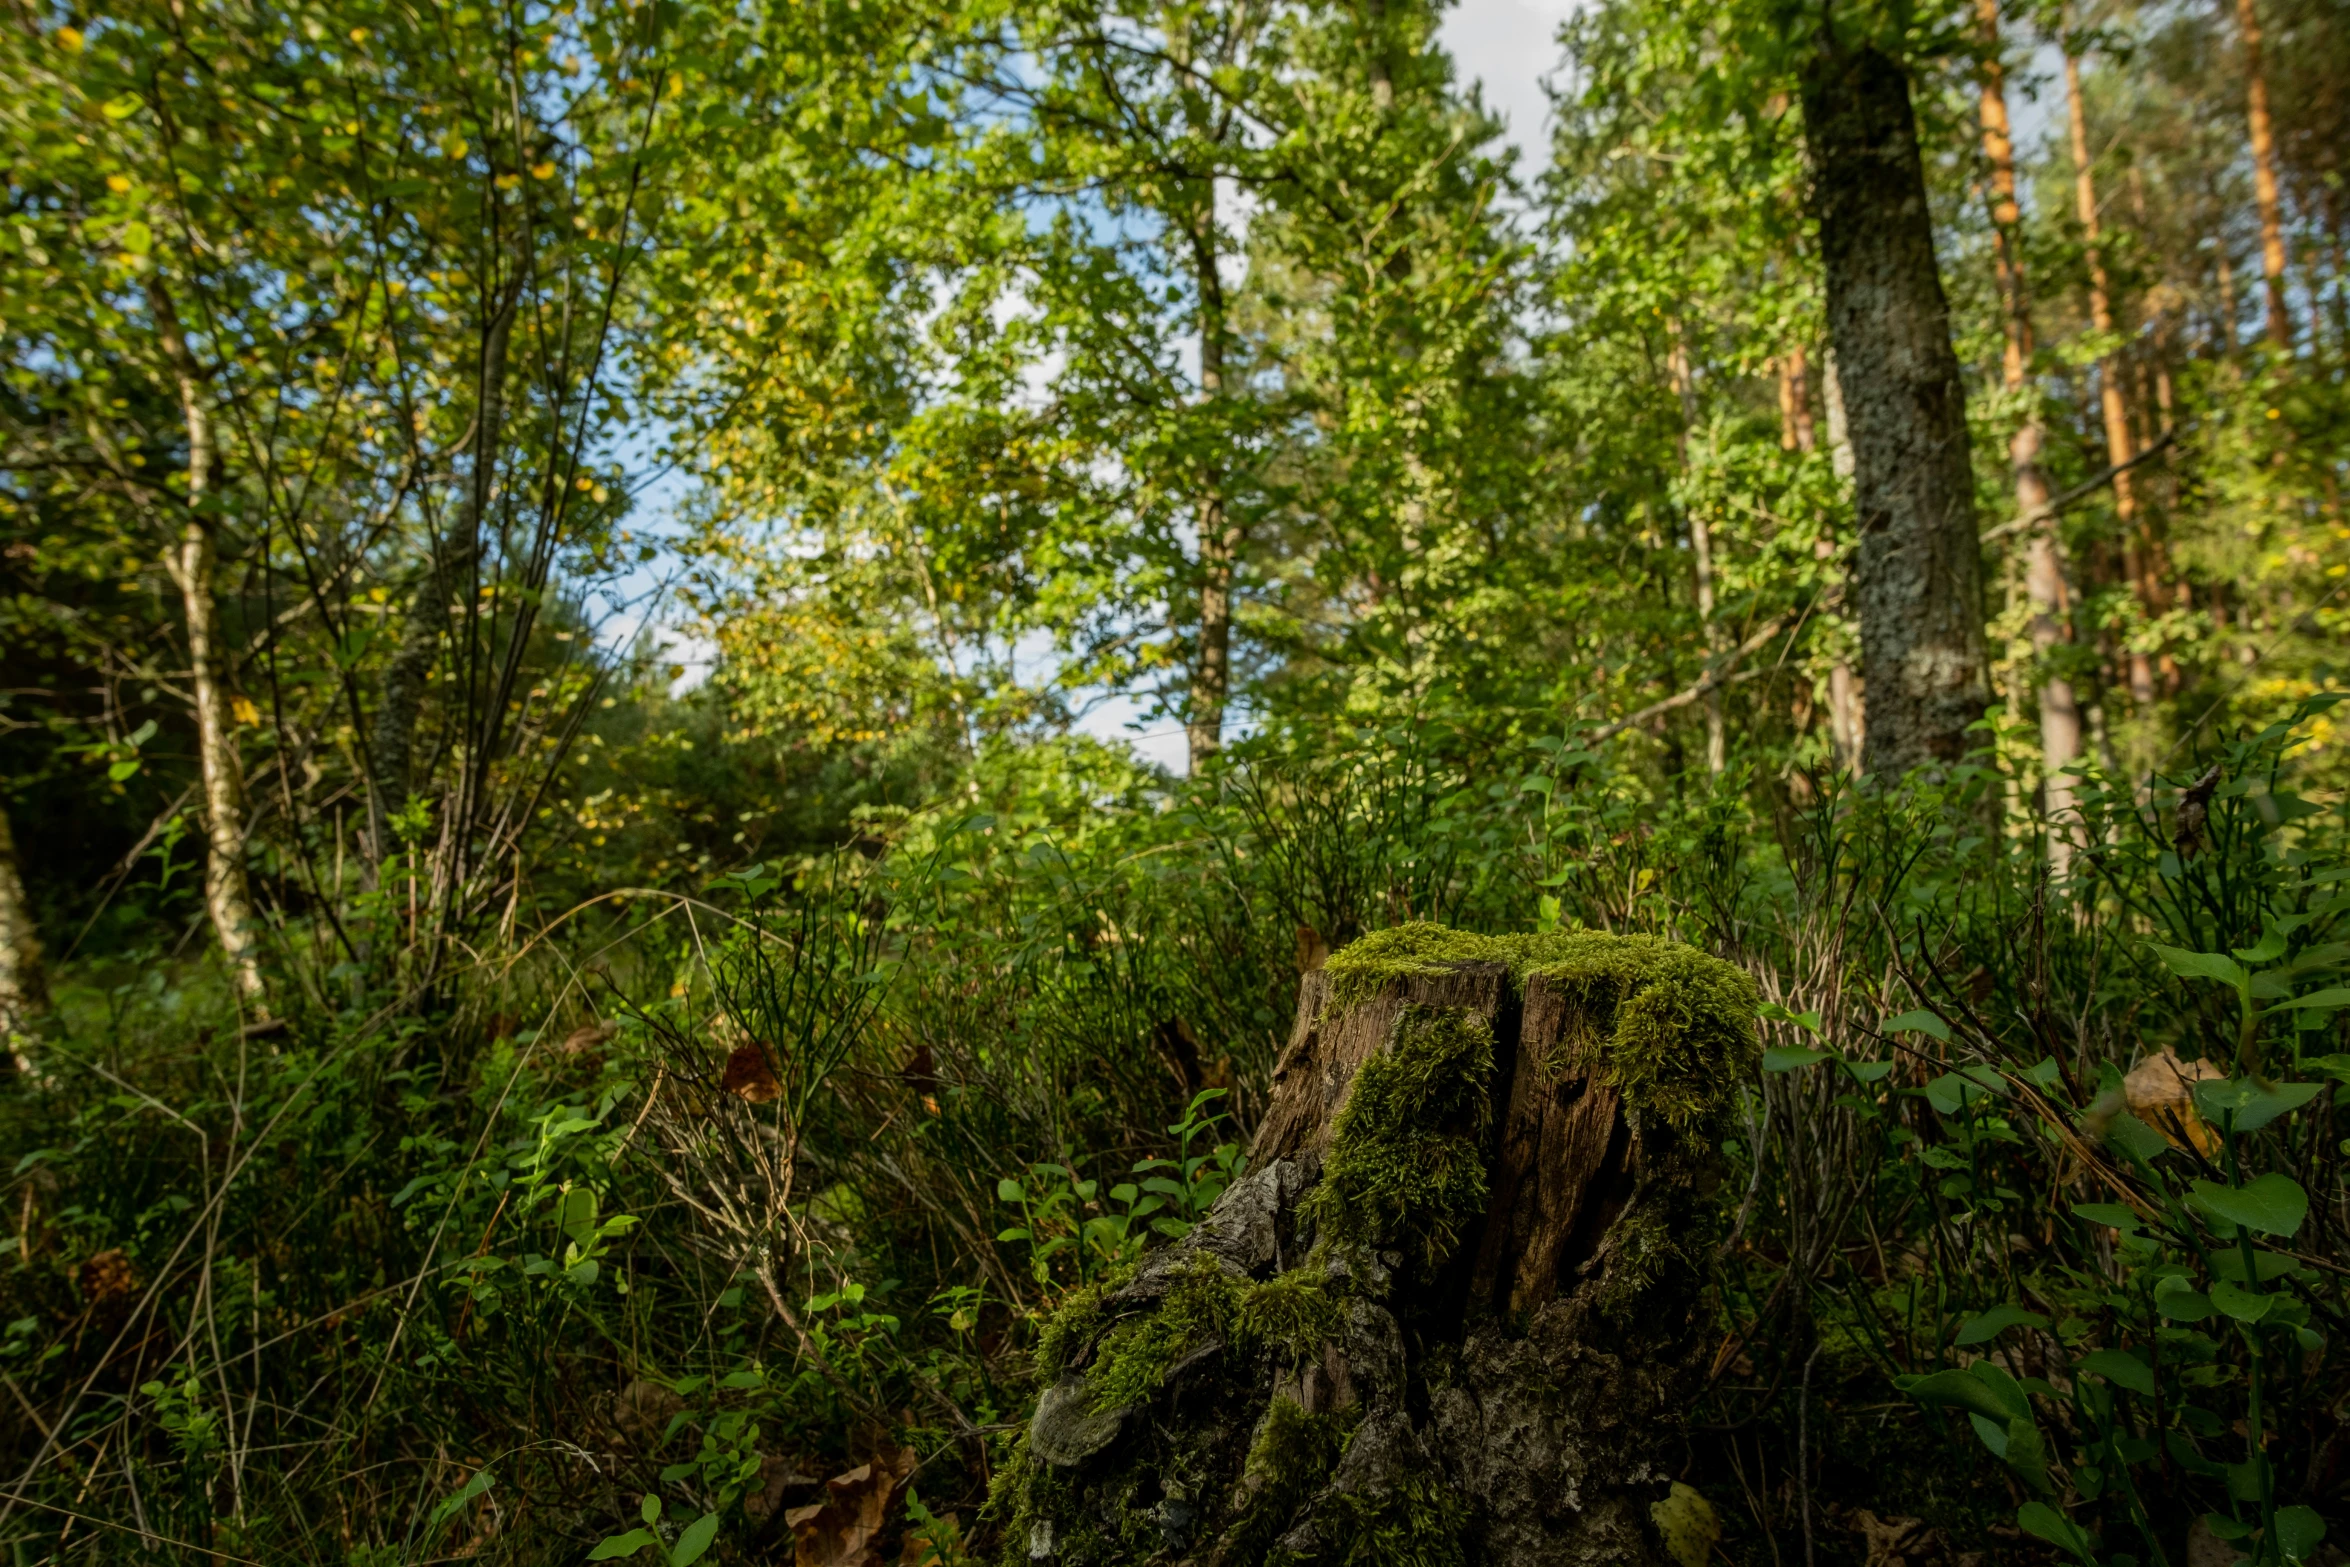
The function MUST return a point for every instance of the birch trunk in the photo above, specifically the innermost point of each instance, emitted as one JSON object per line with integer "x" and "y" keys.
{"x": 24, "y": 977}
{"x": 1918, "y": 579}
{"x": 1701, "y": 550}
{"x": 1219, "y": 540}
{"x": 228, "y": 898}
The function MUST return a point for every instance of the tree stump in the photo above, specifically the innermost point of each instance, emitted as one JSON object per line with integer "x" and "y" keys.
{"x": 1454, "y": 1311}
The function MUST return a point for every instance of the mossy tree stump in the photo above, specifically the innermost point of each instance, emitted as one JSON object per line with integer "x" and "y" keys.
{"x": 1453, "y": 1312}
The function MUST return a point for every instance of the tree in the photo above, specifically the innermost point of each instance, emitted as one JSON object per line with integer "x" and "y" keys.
{"x": 1918, "y": 579}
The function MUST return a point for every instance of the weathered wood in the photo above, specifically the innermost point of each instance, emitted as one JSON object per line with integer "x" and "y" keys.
{"x": 1452, "y": 1312}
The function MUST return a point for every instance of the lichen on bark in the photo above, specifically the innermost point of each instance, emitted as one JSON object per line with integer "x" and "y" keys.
{"x": 1451, "y": 1315}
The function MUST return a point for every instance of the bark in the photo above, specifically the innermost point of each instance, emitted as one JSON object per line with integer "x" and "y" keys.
{"x": 24, "y": 977}
{"x": 1918, "y": 579}
{"x": 2137, "y": 546}
{"x": 391, "y": 747}
{"x": 1846, "y": 705}
{"x": 1701, "y": 550}
{"x": 1796, "y": 432}
{"x": 1334, "y": 1380}
{"x": 2044, "y": 575}
{"x": 2264, "y": 174}
{"x": 1219, "y": 539}
{"x": 228, "y": 898}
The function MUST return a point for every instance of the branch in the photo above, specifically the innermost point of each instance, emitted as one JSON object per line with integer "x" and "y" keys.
{"x": 1715, "y": 678}
{"x": 2082, "y": 490}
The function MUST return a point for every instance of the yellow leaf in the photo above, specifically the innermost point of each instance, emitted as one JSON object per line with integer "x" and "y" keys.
{"x": 117, "y": 184}
{"x": 542, "y": 171}
{"x": 1688, "y": 1523}
{"x": 70, "y": 39}
{"x": 246, "y": 712}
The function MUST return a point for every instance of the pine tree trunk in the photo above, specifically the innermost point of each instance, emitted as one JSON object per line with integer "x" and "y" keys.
{"x": 2264, "y": 173}
{"x": 1918, "y": 579}
{"x": 1455, "y": 1311}
{"x": 2044, "y": 578}
{"x": 228, "y": 897}
{"x": 24, "y": 976}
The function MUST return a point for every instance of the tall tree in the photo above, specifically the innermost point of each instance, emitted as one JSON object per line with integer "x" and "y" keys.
{"x": 1918, "y": 578}
{"x": 2044, "y": 574}
{"x": 2264, "y": 173}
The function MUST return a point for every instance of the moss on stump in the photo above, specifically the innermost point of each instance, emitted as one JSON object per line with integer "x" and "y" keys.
{"x": 1451, "y": 1314}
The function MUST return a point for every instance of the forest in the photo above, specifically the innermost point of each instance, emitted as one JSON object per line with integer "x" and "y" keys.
{"x": 886, "y": 784}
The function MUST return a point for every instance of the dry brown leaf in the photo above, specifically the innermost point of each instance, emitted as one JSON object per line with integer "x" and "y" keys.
{"x": 2160, "y": 1091}
{"x": 750, "y": 1076}
{"x": 107, "y": 1276}
{"x": 589, "y": 1036}
{"x": 1890, "y": 1541}
{"x": 777, "y": 1475}
{"x": 841, "y": 1530}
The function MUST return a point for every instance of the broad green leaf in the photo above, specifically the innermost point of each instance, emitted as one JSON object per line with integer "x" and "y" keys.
{"x": 1869, "y": 1071}
{"x": 2273, "y": 1204}
{"x": 1918, "y": 1021}
{"x": 2240, "y": 1303}
{"x": 2245, "y": 1105}
{"x": 2201, "y": 965}
{"x": 2045, "y": 1522}
{"x": 2121, "y": 1368}
{"x": 694, "y": 1541}
{"x": 2135, "y": 1138}
{"x": 2269, "y": 948}
{"x": 614, "y": 1546}
{"x": 2108, "y": 1213}
{"x": 1790, "y": 1058}
{"x": 2299, "y": 1532}
{"x": 1992, "y": 1323}
{"x": 2323, "y": 1000}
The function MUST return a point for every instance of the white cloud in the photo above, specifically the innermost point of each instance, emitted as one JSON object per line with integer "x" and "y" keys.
{"x": 1510, "y": 46}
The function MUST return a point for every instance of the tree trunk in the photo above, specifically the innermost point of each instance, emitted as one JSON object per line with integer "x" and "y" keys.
{"x": 24, "y": 977}
{"x": 1219, "y": 540}
{"x": 2137, "y": 548}
{"x": 1454, "y": 1313}
{"x": 1918, "y": 581}
{"x": 228, "y": 897}
{"x": 453, "y": 557}
{"x": 2264, "y": 174}
{"x": 1701, "y": 551}
{"x": 1847, "y": 707}
{"x": 2044, "y": 578}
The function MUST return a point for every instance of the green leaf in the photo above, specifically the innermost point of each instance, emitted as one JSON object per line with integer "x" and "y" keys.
{"x": 2322, "y": 1000}
{"x": 1869, "y": 1071}
{"x": 2183, "y": 1305}
{"x": 2201, "y": 965}
{"x": 2269, "y": 948}
{"x": 649, "y": 1509}
{"x": 2272, "y": 1205}
{"x": 2121, "y": 1368}
{"x": 1919, "y": 1021}
{"x": 2135, "y": 1138}
{"x": 456, "y": 1504}
{"x": 2246, "y": 1105}
{"x": 2229, "y": 1265}
{"x": 1790, "y": 1058}
{"x": 2299, "y": 1532}
{"x": 1992, "y": 1323}
{"x": 694, "y": 1541}
{"x": 2240, "y": 1303}
{"x": 2107, "y": 1213}
{"x": 2045, "y": 1522}
{"x": 618, "y": 1545}
{"x": 1009, "y": 1190}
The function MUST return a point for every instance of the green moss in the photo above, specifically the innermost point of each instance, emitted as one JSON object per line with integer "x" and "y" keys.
{"x": 1418, "y": 1522}
{"x": 1070, "y": 1327}
{"x": 1363, "y": 968}
{"x": 1666, "y": 1026}
{"x": 1406, "y": 1167}
{"x": 1130, "y": 1362}
{"x": 1292, "y": 1457}
{"x": 1295, "y": 1312}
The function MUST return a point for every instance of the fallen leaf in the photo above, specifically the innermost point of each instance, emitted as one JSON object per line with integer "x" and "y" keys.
{"x": 840, "y": 1531}
{"x": 750, "y": 1076}
{"x": 777, "y": 1475}
{"x": 2160, "y": 1092}
{"x": 589, "y": 1036}
{"x": 107, "y": 1276}
{"x": 1688, "y": 1523}
{"x": 1889, "y": 1540}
